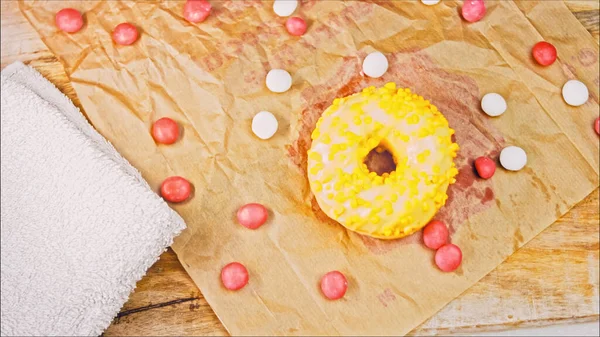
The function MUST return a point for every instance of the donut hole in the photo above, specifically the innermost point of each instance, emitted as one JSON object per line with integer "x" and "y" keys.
{"x": 380, "y": 160}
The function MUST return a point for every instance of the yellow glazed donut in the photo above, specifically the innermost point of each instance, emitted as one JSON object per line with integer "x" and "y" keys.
{"x": 417, "y": 135}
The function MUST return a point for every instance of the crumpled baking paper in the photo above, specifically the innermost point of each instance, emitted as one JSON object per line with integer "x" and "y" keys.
{"x": 209, "y": 77}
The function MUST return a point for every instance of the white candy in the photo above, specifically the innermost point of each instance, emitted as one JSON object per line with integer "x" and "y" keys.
{"x": 575, "y": 93}
{"x": 278, "y": 80}
{"x": 375, "y": 65}
{"x": 493, "y": 104}
{"x": 264, "y": 125}
{"x": 513, "y": 158}
{"x": 284, "y": 7}
{"x": 430, "y": 2}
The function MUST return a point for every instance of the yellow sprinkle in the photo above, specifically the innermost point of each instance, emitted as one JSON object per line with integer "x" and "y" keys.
{"x": 330, "y": 195}
{"x": 315, "y": 156}
{"x": 387, "y": 232}
{"x": 339, "y": 210}
{"x": 357, "y": 121}
{"x": 435, "y": 169}
{"x": 425, "y": 207}
{"x": 394, "y": 197}
{"x": 353, "y": 203}
{"x": 374, "y": 219}
{"x": 338, "y": 185}
{"x": 317, "y": 186}
{"x": 368, "y": 120}
{"x": 390, "y": 86}
{"x": 315, "y": 134}
{"x": 326, "y": 139}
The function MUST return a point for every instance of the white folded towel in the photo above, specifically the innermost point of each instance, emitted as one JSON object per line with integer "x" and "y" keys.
{"x": 80, "y": 226}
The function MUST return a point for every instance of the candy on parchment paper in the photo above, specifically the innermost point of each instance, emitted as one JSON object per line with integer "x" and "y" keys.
{"x": 513, "y": 158}
{"x": 125, "y": 34}
{"x": 485, "y": 167}
{"x": 435, "y": 234}
{"x": 448, "y": 257}
{"x": 473, "y": 10}
{"x": 285, "y": 8}
{"x": 196, "y": 10}
{"x": 278, "y": 80}
{"x": 252, "y": 215}
{"x": 234, "y": 276}
{"x": 296, "y": 26}
{"x": 575, "y": 93}
{"x": 334, "y": 285}
{"x": 493, "y": 104}
{"x": 175, "y": 189}
{"x": 375, "y": 65}
{"x": 544, "y": 53}
{"x": 69, "y": 20}
{"x": 165, "y": 131}
{"x": 264, "y": 125}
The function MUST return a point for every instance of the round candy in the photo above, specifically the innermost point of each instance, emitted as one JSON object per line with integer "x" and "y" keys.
{"x": 196, "y": 10}
{"x": 430, "y": 2}
{"x": 597, "y": 125}
{"x": 334, "y": 285}
{"x": 69, "y": 20}
{"x": 125, "y": 34}
{"x": 575, "y": 93}
{"x": 493, "y": 104}
{"x": 375, "y": 65}
{"x": 435, "y": 234}
{"x": 544, "y": 53}
{"x": 296, "y": 26}
{"x": 284, "y": 7}
{"x": 448, "y": 257}
{"x": 165, "y": 131}
{"x": 264, "y": 125}
{"x": 485, "y": 167}
{"x": 175, "y": 189}
{"x": 234, "y": 276}
{"x": 278, "y": 80}
{"x": 252, "y": 215}
{"x": 473, "y": 10}
{"x": 513, "y": 158}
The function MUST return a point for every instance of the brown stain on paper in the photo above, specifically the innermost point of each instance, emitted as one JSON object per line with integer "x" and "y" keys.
{"x": 456, "y": 96}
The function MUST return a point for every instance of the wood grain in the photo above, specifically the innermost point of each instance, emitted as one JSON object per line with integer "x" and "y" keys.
{"x": 552, "y": 279}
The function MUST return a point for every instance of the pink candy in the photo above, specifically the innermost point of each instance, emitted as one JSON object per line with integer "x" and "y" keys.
{"x": 435, "y": 234}
{"x": 196, "y": 10}
{"x": 296, "y": 26}
{"x": 334, "y": 285}
{"x": 234, "y": 276}
{"x": 252, "y": 215}
{"x": 125, "y": 34}
{"x": 69, "y": 20}
{"x": 448, "y": 257}
{"x": 473, "y": 10}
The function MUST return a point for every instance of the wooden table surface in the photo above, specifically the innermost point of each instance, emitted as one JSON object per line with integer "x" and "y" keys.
{"x": 552, "y": 279}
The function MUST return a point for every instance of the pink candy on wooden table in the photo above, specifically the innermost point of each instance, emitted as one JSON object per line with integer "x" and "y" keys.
{"x": 234, "y": 276}
{"x": 334, "y": 285}
{"x": 473, "y": 10}
{"x": 125, "y": 34}
{"x": 165, "y": 131}
{"x": 196, "y": 10}
{"x": 448, "y": 257}
{"x": 252, "y": 215}
{"x": 597, "y": 125}
{"x": 544, "y": 53}
{"x": 175, "y": 189}
{"x": 435, "y": 234}
{"x": 69, "y": 20}
{"x": 296, "y": 26}
{"x": 485, "y": 167}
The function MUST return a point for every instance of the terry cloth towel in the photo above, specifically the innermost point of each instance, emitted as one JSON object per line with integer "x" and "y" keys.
{"x": 80, "y": 226}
